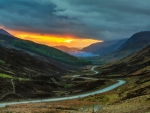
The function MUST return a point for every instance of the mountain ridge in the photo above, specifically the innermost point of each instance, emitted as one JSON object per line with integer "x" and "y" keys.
{"x": 133, "y": 44}
{"x": 40, "y": 49}
{"x": 65, "y": 48}
{"x": 131, "y": 63}
{"x": 96, "y": 46}
{"x": 2, "y": 31}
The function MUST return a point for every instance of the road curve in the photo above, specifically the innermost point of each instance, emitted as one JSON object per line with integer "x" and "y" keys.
{"x": 119, "y": 83}
{"x": 92, "y": 69}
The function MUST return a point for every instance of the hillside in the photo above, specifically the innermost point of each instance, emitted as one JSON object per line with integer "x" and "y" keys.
{"x": 49, "y": 52}
{"x": 94, "y": 48}
{"x": 135, "y": 70}
{"x": 136, "y": 63}
{"x": 23, "y": 76}
{"x": 135, "y": 43}
{"x": 21, "y": 64}
{"x": 66, "y": 49}
{"x": 43, "y": 50}
{"x": 5, "y": 32}
{"x": 133, "y": 96}
{"x": 108, "y": 49}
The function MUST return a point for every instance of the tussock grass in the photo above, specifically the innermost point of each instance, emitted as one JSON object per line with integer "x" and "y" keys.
{"x": 5, "y": 76}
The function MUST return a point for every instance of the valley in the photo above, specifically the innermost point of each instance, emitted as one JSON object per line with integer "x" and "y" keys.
{"x": 88, "y": 89}
{"x": 34, "y": 75}
{"x": 74, "y": 56}
{"x": 96, "y": 83}
{"x": 121, "y": 98}
{"x": 113, "y": 50}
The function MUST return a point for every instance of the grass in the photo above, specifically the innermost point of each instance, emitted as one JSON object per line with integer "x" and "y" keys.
{"x": 23, "y": 79}
{"x": 147, "y": 68}
{"x": 2, "y": 62}
{"x": 11, "y": 77}
{"x": 5, "y": 76}
{"x": 135, "y": 105}
{"x": 10, "y": 72}
{"x": 105, "y": 98}
{"x": 112, "y": 100}
{"x": 50, "y": 52}
{"x": 67, "y": 86}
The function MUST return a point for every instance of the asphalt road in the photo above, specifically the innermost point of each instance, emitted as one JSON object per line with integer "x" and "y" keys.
{"x": 92, "y": 69}
{"x": 119, "y": 83}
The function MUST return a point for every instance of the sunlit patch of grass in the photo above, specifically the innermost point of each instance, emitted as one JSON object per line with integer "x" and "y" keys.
{"x": 110, "y": 98}
{"x": 147, "y": 68}
{"x": 10, "y": 72}
{"x": 106, "y": 98}
{"x": 23, "y": 79}
{"x": 5, "y": 76}
{"x": 29, "y": 70}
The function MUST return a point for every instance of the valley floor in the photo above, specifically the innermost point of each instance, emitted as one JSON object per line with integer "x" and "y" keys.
{"x": 133, "y": 97}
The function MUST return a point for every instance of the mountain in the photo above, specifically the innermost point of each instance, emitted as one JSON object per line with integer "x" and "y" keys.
{"x": 135, "y": 70}
{"x": 137, "y": 63}
{"x": 136, "y": 42}
{"x": 117, "y": 49}
{"x": 108, "y": 49}
{"x": 2, "y": 31}
{"x": 23, "y": 76}
{"x": 96, "y": 47}
{"x": 66, "y": 49}
{"x": 42, "y": 50}
{"x": 133, "y": 44}
{"x": 18, "y": 63}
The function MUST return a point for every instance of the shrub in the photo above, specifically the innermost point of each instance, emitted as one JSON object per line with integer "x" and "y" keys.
{"x": 2, "y": 62}
{"x": 67, "y": 86}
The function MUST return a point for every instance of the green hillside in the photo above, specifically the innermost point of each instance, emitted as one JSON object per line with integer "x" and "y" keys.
{"x": 43, "y": 50}
{"x": 49, "y": 52}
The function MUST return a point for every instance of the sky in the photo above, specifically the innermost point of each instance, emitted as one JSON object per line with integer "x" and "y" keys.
{"x": 74, "y": 23}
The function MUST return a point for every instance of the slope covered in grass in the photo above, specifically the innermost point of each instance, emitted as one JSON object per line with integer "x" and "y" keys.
{"x": 135, "y": 43}
{"x": 43, "y": 50}
{"x": 135, "y": 69}
{"x": 134, "y": 64}
{"x": 49, "y": 52}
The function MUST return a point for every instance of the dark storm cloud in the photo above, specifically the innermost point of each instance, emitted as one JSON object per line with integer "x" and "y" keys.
{"x": 107, "y": 19}
{"x": 31, "y": 15}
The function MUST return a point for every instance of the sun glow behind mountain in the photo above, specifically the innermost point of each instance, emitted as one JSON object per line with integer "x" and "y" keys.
{"x": 54, "y": 39}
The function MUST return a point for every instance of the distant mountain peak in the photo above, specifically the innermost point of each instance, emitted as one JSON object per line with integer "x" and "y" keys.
{"x": 4, "y": 32}
{"x": 141, "y": 34}
{"x": 65, "y": 48}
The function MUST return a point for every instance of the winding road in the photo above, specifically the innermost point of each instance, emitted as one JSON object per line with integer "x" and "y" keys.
{"x": 92, "y": 69}
{"x": 119, "y": 83}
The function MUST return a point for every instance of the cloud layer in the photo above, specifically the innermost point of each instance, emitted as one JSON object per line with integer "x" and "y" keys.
{"x": 95, "y": 19}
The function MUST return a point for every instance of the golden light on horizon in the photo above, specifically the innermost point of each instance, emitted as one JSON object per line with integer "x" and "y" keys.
{"x": 55, "y": 40}
{"x": 69, "y": 40}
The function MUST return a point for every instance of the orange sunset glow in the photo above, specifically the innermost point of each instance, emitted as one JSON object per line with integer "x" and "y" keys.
{"x": 54, "y": 40}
